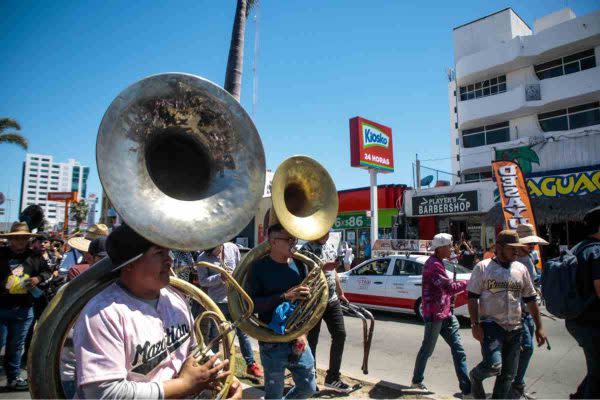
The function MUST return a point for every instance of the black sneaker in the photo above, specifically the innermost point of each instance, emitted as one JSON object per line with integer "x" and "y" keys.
{"x": 18, "y": 384}
{"x": 337, "y": 385}
{"x": 477, "y": 390}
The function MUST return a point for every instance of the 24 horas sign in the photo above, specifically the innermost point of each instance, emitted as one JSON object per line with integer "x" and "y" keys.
{"x": 371, "y": 145}
{"x": 446, "y": 203}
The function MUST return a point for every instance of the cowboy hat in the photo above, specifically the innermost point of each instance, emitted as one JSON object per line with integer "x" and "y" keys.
{"x": 527, "y": 235}
{"x": 96, "y": 231}
{"x": 79, "y": 243}
{"x": 18, "y": 229}
{"x": 508, "y": 238}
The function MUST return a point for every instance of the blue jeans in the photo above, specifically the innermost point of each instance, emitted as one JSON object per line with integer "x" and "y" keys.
{"x": 449, "y": 329}
{"x": 500, "y": 350}
{"x": 16, "y": 321}
{"x": 276, "y": 357}
{"x": 527, "y": 346}
{"x": 245, "y": 345}
{"x": 586, "y": 335}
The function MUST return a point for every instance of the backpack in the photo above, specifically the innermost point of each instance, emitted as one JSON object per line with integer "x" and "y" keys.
{"x": 559, "y": 284}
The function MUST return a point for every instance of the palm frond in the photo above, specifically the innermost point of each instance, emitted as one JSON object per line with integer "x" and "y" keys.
{"x": 14, "y": 138}
{"x": 250, "y": 4}
{"x": 9, "y": 123}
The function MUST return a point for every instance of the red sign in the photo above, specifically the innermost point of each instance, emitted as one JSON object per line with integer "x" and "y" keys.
{"x": 371, "y": 145}
{"x": 62, "y": 196}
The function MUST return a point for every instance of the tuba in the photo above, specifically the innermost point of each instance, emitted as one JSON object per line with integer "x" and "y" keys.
{"x": 305, "y": 203}
{"x": 183, "y": 164}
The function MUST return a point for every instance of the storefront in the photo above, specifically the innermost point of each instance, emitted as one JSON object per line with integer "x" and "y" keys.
{"x": 458, "y": 210}
{"x": 559, "y": 200}
{"x": 354, "y": 221}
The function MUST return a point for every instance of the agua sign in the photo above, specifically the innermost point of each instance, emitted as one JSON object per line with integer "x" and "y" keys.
{"x": 371, "y": 145}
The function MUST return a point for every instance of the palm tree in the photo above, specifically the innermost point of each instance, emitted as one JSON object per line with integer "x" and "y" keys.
{"x": 235, "y": 60}
{"x": 79, "y": 211}
{"x": 11, "y": 137}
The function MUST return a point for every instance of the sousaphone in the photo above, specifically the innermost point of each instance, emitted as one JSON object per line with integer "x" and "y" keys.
{"x": 184, "y": 166}
{"x": 305, "y": 203}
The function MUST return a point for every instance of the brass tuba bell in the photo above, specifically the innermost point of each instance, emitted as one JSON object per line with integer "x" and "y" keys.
{"x": 305, "y": 203}
{"x": 183, "y": 164}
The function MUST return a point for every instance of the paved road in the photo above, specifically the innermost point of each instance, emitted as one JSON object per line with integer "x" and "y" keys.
{"x": 552, "y": 374}
{"x": 397, "y": 338}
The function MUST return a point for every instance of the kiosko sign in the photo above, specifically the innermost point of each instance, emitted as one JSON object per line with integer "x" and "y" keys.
{"x": 371, "y": 145}
{"x": 447, "y": 203}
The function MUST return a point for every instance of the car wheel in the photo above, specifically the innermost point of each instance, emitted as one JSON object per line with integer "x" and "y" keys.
{"x": 419, "y": 309}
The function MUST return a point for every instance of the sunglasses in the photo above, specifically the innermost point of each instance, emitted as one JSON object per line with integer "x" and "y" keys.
{"x": 290, "y": 240}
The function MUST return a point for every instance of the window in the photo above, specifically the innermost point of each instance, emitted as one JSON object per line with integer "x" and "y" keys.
{"x": 450, "y": 267}
{"x": 33, "y": 170}
{"x": 566, "y": 65}
{"x": 407, "y": 267}
{"x": 376, "y": 267}
{"x": 33, "y": 164}
{"x": 485, "y": 135}
{"x": 477, "y": 176}
{"x": 485, "y": 88}
{"x": 570, "y": 118}
{"x": 35, "y": 158}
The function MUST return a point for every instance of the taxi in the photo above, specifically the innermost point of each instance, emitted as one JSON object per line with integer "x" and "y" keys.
{"x": 394, "y": 282}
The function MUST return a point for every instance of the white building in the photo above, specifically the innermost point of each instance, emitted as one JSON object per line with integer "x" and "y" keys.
{"x": 527, "y": 95}
{"x": 516, "y": 88}
{"x": 42, "y": 175}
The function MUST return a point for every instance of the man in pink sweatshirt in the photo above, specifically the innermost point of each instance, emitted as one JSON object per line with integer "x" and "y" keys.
{"x": 438, "y": 290}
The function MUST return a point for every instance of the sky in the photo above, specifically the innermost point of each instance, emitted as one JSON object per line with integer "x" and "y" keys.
{"x": 317, "y": 64}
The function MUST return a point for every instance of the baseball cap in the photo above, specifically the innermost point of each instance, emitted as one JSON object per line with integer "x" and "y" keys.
{"x": 124, "y": 245}
{"x": 440, "y": 240}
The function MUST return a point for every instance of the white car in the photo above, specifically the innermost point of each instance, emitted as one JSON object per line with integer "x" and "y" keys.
{"x": 393, "y": 283}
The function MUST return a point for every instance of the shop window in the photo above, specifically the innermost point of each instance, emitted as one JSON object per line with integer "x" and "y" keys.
{"x": 484, "y": 135}
{"x": 484, "y": 88}
{"x": 570, "y": 118}
{"x": 566, "y": 65}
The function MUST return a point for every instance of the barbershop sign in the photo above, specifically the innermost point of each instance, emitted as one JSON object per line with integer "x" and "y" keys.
{"x": 446, "y": 203}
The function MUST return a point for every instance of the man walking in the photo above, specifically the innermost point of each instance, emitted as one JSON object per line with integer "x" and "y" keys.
{"x": 528, "y": 238}
{"x": 227, "y": 255}
{"x": 438, "y": 290}
{"x": 586, "y": 327}
{"x": 274, "y": 279}
{"x": 496, "y": 289}
{"x": 333, "y": 315}
{"x": 20, "y": 273}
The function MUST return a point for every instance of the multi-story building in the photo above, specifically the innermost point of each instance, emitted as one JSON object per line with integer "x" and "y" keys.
{"x": 531, "y": 96}
{"x": 42, "y": 175}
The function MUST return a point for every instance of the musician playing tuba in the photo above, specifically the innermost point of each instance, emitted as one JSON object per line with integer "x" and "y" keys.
{"x": 276, "y": 279}
{"x": 134, "y": 338}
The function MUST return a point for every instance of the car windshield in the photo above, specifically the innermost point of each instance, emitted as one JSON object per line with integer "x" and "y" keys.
{"x": 459, "y": 268}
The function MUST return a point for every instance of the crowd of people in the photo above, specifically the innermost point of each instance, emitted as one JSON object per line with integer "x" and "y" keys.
{"x": 504, "y": 313}
{"x": 134, "y": 339}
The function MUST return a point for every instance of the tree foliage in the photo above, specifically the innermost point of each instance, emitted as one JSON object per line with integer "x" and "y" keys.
{"x": 79, "y": 211}
{"x": 13, "y": 136}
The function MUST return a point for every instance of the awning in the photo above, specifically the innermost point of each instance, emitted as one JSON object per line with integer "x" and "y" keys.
{"x": 552, "y": 210}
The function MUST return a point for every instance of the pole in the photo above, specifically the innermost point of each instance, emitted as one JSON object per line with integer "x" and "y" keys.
{"x": 374, "y": 222}
{"x": 66, "y": 220}
{"x": 418, "y": 171}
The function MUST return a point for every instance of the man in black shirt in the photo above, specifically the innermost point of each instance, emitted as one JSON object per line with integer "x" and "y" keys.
{"x": 275, "y": 279}
{"x": 20, "y": 273}
{"x": 586, "y": 327}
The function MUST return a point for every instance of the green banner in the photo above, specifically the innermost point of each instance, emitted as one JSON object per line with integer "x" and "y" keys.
{"x": 359, "y": 219}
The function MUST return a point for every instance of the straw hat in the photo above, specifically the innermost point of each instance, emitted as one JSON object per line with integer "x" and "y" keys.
{"x": 79, "y": 243}
{"x": 96, "y": 231}
{"x": 527, "y": 235}
{"x": 18, "y": 229}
